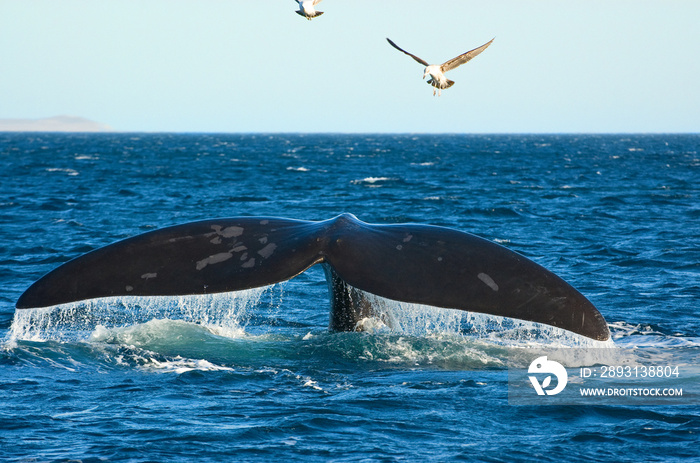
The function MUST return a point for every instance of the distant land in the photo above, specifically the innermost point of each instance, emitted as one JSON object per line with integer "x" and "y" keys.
{"x": 53, "y": 124}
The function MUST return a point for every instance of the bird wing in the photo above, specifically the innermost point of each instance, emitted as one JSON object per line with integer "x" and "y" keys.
{"x": 316, "y": 2}
{"x": 463, "y": 58}
{"x": 421, "y": 61}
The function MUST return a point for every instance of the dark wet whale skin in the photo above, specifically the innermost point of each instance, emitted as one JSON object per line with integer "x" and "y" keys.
{"x": 406, "y": 262}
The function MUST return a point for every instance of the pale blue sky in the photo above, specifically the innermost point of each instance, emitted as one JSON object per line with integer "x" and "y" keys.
{"x": 256, "y": 66}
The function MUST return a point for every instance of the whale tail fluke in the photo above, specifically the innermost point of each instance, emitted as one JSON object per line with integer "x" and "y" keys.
{"x": 411, "y": 263}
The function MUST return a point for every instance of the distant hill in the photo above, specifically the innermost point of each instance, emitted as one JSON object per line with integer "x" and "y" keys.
{"x": 53, "y": 124}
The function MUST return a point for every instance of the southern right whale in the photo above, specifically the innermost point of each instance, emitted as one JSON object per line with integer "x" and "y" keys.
{"x": 405, "y": 262}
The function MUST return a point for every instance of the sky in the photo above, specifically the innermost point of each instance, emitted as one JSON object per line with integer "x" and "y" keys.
{"x": 555, "y": 66}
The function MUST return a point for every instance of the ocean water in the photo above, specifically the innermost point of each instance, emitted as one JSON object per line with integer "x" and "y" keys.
{"x": 257, "y": 376}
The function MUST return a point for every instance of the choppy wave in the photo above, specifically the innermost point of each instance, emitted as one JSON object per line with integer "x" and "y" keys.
{"x": 205, "y": 380}
{"x": 419, "y": 338}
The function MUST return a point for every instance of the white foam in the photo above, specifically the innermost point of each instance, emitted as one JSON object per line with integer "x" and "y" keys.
{"x": 372, "y": 180}
{"x": 311, "y": 383}
{"x": 181, "y": 365}
{"x": 71, "y": 172}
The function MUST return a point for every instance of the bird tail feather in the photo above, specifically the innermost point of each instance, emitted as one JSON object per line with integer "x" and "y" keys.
{"x": 436, "y": 84}
{"x": 315, "y": 15}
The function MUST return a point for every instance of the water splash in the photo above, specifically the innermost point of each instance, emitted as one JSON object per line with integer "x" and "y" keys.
{"x": 421, "y": 320}
{"x": 227, "y": 315}
{"x": 632, "y": 335}
{"x": 223, "y": 313}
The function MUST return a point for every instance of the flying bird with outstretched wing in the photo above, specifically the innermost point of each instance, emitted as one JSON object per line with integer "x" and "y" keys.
{"x": 437, "y": 71}
{"x": 307, "y": 10}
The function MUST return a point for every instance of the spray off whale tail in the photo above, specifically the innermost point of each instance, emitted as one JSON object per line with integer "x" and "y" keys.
{"x": 411, "y": 263}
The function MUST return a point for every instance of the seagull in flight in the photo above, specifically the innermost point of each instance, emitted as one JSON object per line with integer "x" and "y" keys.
{"x": 307, "y": 10}
{"x": 437, "y": 71}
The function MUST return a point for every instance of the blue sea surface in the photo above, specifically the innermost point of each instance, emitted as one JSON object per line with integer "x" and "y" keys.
{"x": 257, "y": 376}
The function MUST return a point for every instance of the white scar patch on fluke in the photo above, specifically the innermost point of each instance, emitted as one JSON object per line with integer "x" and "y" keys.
{"x": 215, "y": 259}
{"x": 488, "y": 281}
